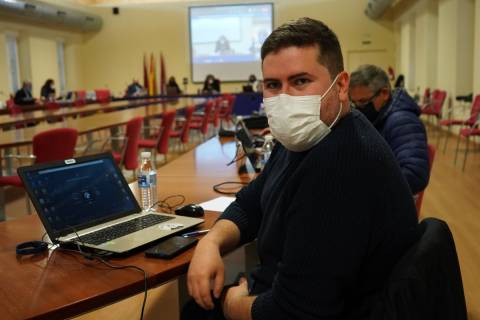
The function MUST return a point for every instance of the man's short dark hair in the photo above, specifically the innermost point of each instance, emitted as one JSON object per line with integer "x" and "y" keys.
{"x": 305, "y": 32}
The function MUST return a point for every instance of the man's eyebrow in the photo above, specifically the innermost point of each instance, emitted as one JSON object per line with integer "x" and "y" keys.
{"x": 301, "y": 74}
{"x": 269, "y": 79}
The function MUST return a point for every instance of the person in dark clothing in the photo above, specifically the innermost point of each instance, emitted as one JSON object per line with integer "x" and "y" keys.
{"x": 400, "y": 82}
{"x": 172, "y": 87}
{"x": 135, "y": 89}
{"x": 24, "y": 95}
{"x": 331, "y": 211}
{"x": 211, "y": 85}
{"x": 48, "y": 90}
{"x": 396, "y": 116}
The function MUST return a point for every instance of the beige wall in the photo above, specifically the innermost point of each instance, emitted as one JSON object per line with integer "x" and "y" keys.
{"x": 38, "y": 56}
{"x": 44, "y": 65}
{"x": 4, "y": 80}
{"x": 443, "y": 46}
{"x": 114, "y": 55}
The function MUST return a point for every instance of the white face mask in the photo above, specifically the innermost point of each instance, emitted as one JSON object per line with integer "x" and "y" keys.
{"x": 295, "y": 120}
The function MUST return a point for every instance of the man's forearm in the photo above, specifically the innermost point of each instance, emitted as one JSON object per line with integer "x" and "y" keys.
{"x": 225, "y": 234}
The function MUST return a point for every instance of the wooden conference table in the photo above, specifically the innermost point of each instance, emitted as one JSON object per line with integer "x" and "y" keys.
{"x": 8, "y": 120}
{"x": 59, "y": 284}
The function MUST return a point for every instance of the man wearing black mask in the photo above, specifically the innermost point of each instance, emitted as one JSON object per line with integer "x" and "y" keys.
{"x": 396, "y": 117}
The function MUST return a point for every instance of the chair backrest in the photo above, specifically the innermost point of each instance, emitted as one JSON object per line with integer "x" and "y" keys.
{"x": 130, "y": 158}
{"x": 216, "y": 112}
{"x": 438, "y": 100}
{"x": 102, "y": 95}
{"x": 167, "y": 123}
{"x": 80, "y": 98}
{"x": 186, "y": 126}
{"x": 51, "y": 105}
{"x": 12, "y": 108}
{"x": 431, "y": 157}
{"x": 206, "y": 117}
{"x": 426, "y": 283}
{"x": 54, "y": 144}
{"x": 475, "y": 111}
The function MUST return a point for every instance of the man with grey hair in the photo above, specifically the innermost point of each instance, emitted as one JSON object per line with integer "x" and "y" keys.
{"x": 396, "y": 117}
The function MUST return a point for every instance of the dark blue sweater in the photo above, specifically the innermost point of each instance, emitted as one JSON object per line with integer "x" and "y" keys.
{"x": 330, "y": 222}
{"x": 400, "y": 126}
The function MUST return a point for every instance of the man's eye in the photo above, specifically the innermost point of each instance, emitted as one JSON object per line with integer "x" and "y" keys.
{"x": 272, "y": 85}
{"x": 301, "y": 81}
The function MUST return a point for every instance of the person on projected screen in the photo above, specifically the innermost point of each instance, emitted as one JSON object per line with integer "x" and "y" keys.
{"x": 222, "y": 46}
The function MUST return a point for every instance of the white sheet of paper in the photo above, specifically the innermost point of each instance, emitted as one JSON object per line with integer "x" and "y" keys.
{"x": 218, "y": 204}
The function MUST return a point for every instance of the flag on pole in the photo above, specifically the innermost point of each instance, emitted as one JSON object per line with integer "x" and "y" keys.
{"x": 163, "y": 81}
{"x": 145, "y": 73}
{"x": 152, "y": 81}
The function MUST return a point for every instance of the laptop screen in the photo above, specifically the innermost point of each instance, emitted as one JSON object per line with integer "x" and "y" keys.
{"x": 244, "y": 136}
{"x": 80, "y": 194}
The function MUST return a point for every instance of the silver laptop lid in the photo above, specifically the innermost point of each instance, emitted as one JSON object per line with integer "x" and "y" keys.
{"x": 78, "y": 193}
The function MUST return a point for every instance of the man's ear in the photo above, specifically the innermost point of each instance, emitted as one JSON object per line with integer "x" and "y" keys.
{"x": 343, "y": 82}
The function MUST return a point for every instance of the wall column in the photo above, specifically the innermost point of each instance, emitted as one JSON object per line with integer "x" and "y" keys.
{"x": 476, "y": 61}
{"x": 455, "y": 46}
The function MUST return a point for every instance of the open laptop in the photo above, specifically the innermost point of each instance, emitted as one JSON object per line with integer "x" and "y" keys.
{"x": 87, "y": 201}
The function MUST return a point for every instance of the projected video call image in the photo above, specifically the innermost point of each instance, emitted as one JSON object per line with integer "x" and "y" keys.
{"x": 228, "y": 38}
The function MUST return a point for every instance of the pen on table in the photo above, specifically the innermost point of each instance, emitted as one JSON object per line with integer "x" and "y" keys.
{"x": 194, "y": 233}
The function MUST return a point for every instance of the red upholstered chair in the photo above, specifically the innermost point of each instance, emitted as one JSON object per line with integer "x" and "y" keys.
{"x": 160, "y": 143}
{"x": 128, "y": 158}
{"x": 474, "y": 131}
{"x": 182, "y": 134}
{"x": 12, "y": 108}
{"x": 51, "y": 107}
{"x": 431, "y": 157}
{"x": 80, "y": 98}
{"x": 474, "y": 116}
{"x": 200, "y": 124}
{"x": 434, "y": 107}
{"x": 228, "y": 103}
{"x": 51, "y": 145}
{"x": 102, "y": 95}
{"x": 15, "y": 110}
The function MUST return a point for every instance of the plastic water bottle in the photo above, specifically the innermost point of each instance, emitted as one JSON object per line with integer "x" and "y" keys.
{"x": 267, "y": 148}
{"x": 147, "y": 182}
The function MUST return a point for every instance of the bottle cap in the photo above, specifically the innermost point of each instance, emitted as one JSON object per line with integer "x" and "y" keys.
{"x": 146, "y": 154}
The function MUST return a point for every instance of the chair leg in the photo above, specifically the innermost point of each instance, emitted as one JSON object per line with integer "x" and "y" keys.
{"x": 466, "y": 153}
{"x": 456, "y": 150}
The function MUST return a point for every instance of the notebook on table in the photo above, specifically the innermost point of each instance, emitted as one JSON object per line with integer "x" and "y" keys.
{"x": 87, "y": 201}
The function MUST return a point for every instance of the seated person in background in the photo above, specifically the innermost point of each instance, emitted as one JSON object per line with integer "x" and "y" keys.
{"x": 211, "y": 85}
{"x": 24, "y": 95}
{"x": 172, "y": 87}
{"x": 47, "y": 93}
{"x": 400, "y": 83}
{"x": 396, "y": 116}
{"x": 135, "y": 89}
{"x": 251, "y": 85}
{"x": 331, "y": 210}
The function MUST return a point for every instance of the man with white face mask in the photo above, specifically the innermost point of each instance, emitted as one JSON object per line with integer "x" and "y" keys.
{"x": 331, "y": 211}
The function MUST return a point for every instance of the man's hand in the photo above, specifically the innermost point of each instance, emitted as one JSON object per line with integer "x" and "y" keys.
{"x": 237, "y": 304}
{"x": 206, "y": 270}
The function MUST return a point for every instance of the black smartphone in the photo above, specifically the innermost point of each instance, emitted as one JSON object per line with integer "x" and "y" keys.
{"x": 171, "y": 247}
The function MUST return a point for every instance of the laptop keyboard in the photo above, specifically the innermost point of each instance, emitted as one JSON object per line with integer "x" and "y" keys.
{"x": 122, "y": 229}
